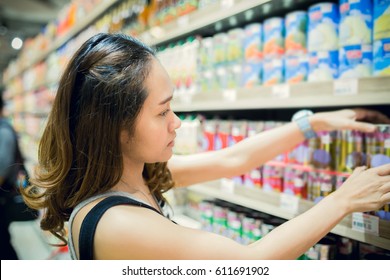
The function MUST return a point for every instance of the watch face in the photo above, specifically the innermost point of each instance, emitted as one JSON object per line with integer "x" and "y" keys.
{"x": 301, "y": 114}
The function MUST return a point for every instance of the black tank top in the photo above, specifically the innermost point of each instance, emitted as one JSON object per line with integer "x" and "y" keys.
{"x": 89, "y": 224}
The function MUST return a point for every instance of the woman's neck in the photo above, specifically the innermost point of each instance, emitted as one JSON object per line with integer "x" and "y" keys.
{"x": 133, "y": 182}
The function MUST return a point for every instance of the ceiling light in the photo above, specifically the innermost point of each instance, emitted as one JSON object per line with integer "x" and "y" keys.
{"x": 16, "y": 43}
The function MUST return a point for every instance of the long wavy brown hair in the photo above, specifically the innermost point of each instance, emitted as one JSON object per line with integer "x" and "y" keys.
{"x": 101, "y": 92}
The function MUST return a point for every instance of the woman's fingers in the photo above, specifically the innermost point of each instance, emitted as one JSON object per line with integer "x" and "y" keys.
{"x": 382, "y": 170}
{"x": 371, "y": 116}
{"x": 358, "y": 170}
{"x": 361, "y": 126}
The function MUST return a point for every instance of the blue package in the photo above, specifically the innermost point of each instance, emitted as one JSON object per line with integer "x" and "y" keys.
{"x": 355, "y": 61}
{"x": 382, "y": 57}
{"x": 381, "y": 19}
{"x": 356, "y": 23}
{"x": 323, "y": 66}
{"x": 296, "y": 69}
{"x": 323, "y": 27}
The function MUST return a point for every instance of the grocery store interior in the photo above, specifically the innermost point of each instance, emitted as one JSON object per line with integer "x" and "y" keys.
{"x": 240, "y": 67}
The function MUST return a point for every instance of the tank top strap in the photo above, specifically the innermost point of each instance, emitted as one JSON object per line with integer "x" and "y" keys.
{"x": 89, "y": 224}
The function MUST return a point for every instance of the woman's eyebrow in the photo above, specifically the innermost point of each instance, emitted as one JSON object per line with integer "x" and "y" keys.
{"x": 166, "y": 100}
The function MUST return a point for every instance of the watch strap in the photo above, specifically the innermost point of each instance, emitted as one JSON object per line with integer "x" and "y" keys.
{"x": 305, "y": 127}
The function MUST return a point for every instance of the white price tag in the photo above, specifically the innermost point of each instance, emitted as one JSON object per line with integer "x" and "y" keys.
{"x": 227, "y": 185}
{"x": 365, "y": 223}
{"x": 227, "y": 3}
{"x": 281, "y": 91}
{"x": 325, "y": 139}
{"x": 345, "y": 87}
{"x": 229, "y": 95}
{"x": 186, "y": 98}
{"x": 387, "y": 143}
{"x": 183, "y": 21}
{"x": 289, "y": 203}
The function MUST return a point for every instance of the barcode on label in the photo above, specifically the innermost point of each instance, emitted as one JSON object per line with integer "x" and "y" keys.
{"x": 362, "y": 225}
{"x": 365, "y": 223}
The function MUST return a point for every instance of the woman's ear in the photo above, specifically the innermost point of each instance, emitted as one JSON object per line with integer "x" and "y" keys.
{"x": 124, "y": 137}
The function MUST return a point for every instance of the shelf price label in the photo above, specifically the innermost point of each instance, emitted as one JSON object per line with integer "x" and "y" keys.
{"x": 183, "y": 21}
{"x": 227, "y": 3}
{"x": 345, "y": 87}
{"x": 229, "y": 95}
{"x": 365, "y": 223}
{"x": 281, "y": 91}
{"x": 289, "y": 203}
{"x": 227, "y": 185}
{"x": 186, "y": 99}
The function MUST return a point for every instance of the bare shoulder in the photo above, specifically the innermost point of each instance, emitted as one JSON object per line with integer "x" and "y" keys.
{"x": 132, "y": 232}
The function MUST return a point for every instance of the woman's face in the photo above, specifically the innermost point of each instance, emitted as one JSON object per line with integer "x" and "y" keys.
{"x": 155, "y": 127}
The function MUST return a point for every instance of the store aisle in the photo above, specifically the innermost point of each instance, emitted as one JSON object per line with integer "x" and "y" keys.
{"x": 31, "y": 244}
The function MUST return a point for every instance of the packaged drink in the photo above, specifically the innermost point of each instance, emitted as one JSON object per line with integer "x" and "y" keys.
{"x": 313, "y": 186}
{"x": 378, "y": 146}
{"x": 273, "y": 37}
{"x": 206, "y": 215}
{"x": 381, "y": 19}
{"x": 220, "y": 218}
{"x": 322, "y": 157}
{"x": 235, "y": 45}
{"x": 355, "y": 61}
{"x": 234, "y": 74}
{"x": 222, "y": 76}
{"x": 323, "y": 27}
{"x": 267, "y": 178}
{"x": 326, "y": 185}
{"x": 294, "y": 182}
{"x": 186, "y": 7}
{"x": 296, "y": 30}
{"x": 326, "y": 248}
{"x": 288, "y": 182}
{"x": 356, "y": 22}
{"x": 382, "y": 57}
{"x": 222, "y": 135}
{"x": 206, "y": 52}
{"x": 323, "y": 66}
{"x": 208, "y": 139}
{"x": 220, "y": 42}
{"x": 234, "y": 225}
{"x": 272, "y": 73}
{"x": 300, "y": 154}
{"x": 248, "y": 226}
{"x": 238, "y": 132}
{"x": 300, "y": 184}
{"x": 355, "y": 155}
{"x": 253, "y": 178}
{"x": 253, "y": 47}
{"x": 251, "y": 74}
{"x": 259, "y": 220}
{"x": 296, "y": 68}
{"x": 207, "y": 81}
{"x": 345, "y": 248}
{"x": 384, "y": 212}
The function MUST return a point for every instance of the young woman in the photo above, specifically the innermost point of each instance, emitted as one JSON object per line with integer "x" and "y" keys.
{"x": 106, "y": 159}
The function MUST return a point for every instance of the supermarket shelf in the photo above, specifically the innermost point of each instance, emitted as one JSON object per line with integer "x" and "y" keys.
{"x": 182, "y": 26}
{"x": 81, "y": 25}
{"x": 270, "y": 203}
{"x": 369, "y": 91}
{"x": 34, "y": 88}
{"x": 198, "y": 19}
{"x": 186, "y": 221}
{"x": 307, "y": 168}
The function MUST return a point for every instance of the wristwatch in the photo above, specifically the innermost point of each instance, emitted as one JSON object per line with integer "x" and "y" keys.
{"x": 302, "y": 120}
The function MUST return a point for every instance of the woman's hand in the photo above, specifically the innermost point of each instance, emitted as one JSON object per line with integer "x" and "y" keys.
{"x": 366, "y": 189}
{"x": 339, "y": 120}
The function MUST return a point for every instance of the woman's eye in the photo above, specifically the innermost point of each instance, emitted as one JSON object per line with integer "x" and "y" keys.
{"x": 163, "y": 114}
